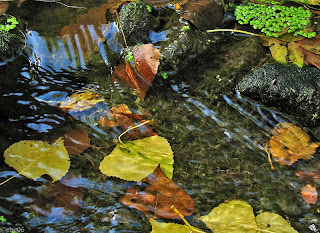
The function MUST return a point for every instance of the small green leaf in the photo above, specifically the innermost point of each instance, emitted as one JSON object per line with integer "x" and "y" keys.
{"x": 3, "y": 219}
{"x": 149, "y": 8}
{"x": 164, "y": 75}
{"x": 135, "y": 160}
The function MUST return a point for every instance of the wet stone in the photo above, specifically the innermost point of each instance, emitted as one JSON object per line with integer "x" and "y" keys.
{"x": 291, "y": 89}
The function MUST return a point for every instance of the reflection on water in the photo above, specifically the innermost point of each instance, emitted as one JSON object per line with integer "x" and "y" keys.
{"x": 218, "y": 148}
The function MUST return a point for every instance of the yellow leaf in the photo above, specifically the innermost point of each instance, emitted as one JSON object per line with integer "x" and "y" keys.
{"x": 159, "y": 227}
{"x": 135, "y": 160}
{"x": 290, "y": 143}
{"x": 296, "y": 54}
{"x": 36, "y": 158}
{"x": 231, "y": 217}
{"x": 80, "y": 101}
{"x": 279, "y": 52}
{"x": 273, "y": 223}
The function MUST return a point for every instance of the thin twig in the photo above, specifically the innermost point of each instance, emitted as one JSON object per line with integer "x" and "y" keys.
{"x": 124, "y": 38}
{"x": 63, "y": 4}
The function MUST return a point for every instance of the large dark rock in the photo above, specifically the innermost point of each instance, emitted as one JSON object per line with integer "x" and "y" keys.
{"x": 180, "y": 42}
{"x": 291, "y": 89}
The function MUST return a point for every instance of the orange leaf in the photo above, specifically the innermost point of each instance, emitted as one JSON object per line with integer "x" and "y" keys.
{"x": 122, "y": 116}
{"x": 309, "y": 194}
{"x": 155, "y": 195}
{"x": 146, "y": 62}
{"x": 76, "y": 141}
{"x": 290, "y": 143}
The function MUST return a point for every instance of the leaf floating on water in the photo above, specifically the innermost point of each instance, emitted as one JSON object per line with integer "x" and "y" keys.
{"x": 290, "y": 143}
{"x": 231, "y": 217}
{"x": 146, "y": 61}
{"x": 161, "y": 227}
{"x": 135, "y": 160}
{"x": 296, "y": 54}
{"x": 309, "y": 194}
{"x": 76, "y": 141}
{"x": 273, "y": 223}
{"x": 156, "y": 194}
{"x": 278, "y": 51}
{"x": 80, "y": 101}
{"x": 36, "y": 158}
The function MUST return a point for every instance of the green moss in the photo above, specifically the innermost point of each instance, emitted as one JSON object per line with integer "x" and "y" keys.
{"x": 10, "y": 45}
{"x": 275, "y": 19}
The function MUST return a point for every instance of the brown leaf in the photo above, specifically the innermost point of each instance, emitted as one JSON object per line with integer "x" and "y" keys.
{"x": 312, "y": 58}
{"x": 76, "y": 141}
{"x": 122, "y": 116}
{"x": 3, "y": 7}
{"x": 146, "y": 62}
{"x": 290, "y": 143}
{"x": 155, "y": 195}
{"x": 311, "y": 44}
{"x": 309, "y": 194}
{"x": 58, "y": 200}
{"x": 309, "y": 176}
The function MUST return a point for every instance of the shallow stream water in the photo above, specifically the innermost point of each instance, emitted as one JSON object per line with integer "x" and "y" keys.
{"x": 217, "y": 136}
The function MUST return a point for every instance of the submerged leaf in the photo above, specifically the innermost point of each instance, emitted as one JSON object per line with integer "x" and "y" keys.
{"x": 270, "y": 222}
{"x": 296, "y": 54}
{"x": 36, "y": 158}
{"x": 309, "y": 194}
{"x": 156, "y": 194}
{"x": 231, "y": 217}
{"x": 80, "y": 101}
{"x": 122, "y": 116}
{"x": 76, "y": 141}
{"x": 290, "y": 143}
{"x": 135, "y": 160}
{"x": 161, "y": 227}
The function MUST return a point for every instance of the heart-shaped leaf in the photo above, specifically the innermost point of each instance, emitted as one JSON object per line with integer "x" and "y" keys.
{"x": 135, "y": 160}
{"x": 36, "y": 158}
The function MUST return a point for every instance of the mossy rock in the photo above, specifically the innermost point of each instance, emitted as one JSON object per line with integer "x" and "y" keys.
{"x": 10, "y": 45}
{"x": 136, "y": 22}
{"x": 291, "y": 89}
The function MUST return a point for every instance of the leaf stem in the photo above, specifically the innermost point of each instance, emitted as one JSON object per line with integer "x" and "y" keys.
{"x": 235, "y": 30}
{"x": 184, "y": 220}
{"x": 269, "y": 156}
{"x": 137, "y": 126}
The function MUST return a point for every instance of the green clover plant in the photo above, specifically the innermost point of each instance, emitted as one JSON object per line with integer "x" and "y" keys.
{"x": 275, "y": 19}
{"x": 11, "y": 24}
